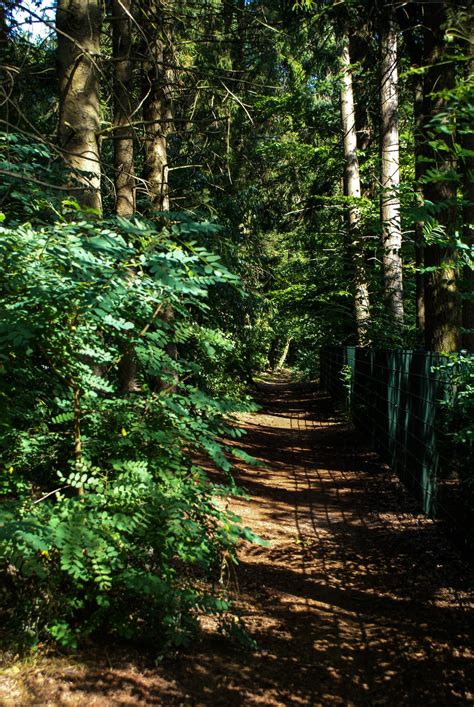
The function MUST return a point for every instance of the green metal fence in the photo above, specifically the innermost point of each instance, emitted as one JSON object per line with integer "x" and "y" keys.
{"x": 399, "y": 399}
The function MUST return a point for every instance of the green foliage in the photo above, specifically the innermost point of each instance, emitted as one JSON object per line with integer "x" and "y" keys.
{"x": 30, "y": 174}
{"x": 458, "y": 418}
{"x": 106, "y": 524}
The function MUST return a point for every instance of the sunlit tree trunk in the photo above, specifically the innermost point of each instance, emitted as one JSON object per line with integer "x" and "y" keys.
{"x": 442, "y": 302}
{"x": 353, "y": 192}
{"x": 284, "y": 354}
{"x": 390, "y": 153}
{"x": 123, "y": 107}
{"x": 78, "y": 25}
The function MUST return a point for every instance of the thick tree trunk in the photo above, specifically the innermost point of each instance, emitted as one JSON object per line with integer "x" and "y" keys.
{"x": 157, "y": 106}
{"x": 390, "y": 152}
{"x": 442, "y": 302}
{"x": 123, "y": 99}
{"x": 78, "y": 25}
{"x": 352, "y": 191}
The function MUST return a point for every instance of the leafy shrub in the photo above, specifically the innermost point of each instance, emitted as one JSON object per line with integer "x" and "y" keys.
{"x": 458, "y": 415}
{"x": 106, "y": 524}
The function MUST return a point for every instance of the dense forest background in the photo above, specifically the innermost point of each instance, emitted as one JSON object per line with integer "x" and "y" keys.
{"x": 192, "y": 192}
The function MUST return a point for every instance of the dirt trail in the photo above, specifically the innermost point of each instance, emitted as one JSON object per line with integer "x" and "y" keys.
{"x": 359, "y": 600}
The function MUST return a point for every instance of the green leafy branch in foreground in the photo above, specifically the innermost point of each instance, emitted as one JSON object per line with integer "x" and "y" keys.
{"x": 105, "y": 522}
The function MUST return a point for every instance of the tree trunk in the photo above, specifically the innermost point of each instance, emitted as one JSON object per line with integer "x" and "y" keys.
{"x": 123, "y": 95}
{"x": 157, "y": 106}
{"x": 390, "y": 149}
{"x": 158, "y": 117}
{"x": 124, "y": 151}
{"x": 352, "y": 191}
{"x": 442, "y": 302}
{"x": 78, "y": 25}
{"x": 284, "y": 354}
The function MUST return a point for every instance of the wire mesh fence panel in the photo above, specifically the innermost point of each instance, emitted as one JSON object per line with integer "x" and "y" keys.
{"x": 404, "y": 401}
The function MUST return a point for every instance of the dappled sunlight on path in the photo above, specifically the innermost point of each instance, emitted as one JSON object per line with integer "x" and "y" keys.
{"x": 357, "y": 600}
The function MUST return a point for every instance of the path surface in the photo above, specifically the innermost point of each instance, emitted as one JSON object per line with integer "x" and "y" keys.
{"x": 359, "y": 600}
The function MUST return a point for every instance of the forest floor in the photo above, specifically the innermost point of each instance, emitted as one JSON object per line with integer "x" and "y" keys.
{"x": 358, "y": 599}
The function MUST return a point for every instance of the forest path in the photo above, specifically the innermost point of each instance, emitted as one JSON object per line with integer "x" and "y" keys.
{"x": 358, "y": 600}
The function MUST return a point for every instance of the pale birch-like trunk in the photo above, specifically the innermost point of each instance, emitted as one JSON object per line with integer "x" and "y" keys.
{"x": 78, "y": 25}
{"x": 123, "y": 108}
{"x": 390, "y": 149}
{"x": 284, "y": 354}
{"x": 353, "y": 192}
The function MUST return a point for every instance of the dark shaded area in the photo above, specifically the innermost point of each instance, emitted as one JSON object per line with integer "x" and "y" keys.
{"x": 398, "y": 399}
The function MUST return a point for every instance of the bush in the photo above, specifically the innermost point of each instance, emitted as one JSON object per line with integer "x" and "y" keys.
{"x": 105, "y": 522}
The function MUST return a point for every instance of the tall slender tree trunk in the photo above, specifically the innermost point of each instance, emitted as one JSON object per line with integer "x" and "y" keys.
{"x": 158, "y": 117}
{"x": 157, "y": 106}
{"x": 78, "y": 25}
{"x": 284, "y": 353}
{"x": 124, "y": 165}
{"x": 442, "y": 302}
{"x": 467, "y": 140}
{"x": 123, "y": 108}
{"x": 390, "y": 149}
{"x": 353, "y": 192}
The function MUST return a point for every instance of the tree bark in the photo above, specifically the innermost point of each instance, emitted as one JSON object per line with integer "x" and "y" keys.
{"x": 123, "y": 108}
{"x": 158, "y": 115}
{"x": 353, "y": 192}
{"x": 157, "y": 106}
{"x": 390, "y": 152}
{"x": 442, "y": 302}
{"x": 284, "y": 354}
{"x": 78, "y": 25}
